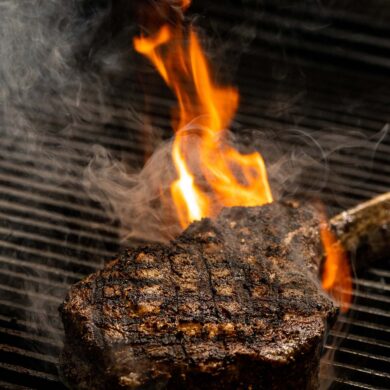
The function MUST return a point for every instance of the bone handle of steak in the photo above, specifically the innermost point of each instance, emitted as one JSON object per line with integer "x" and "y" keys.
{"x": 365, "y": 229}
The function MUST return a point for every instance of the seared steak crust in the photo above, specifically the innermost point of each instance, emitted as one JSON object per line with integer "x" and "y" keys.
{"x": 232, "y": 303}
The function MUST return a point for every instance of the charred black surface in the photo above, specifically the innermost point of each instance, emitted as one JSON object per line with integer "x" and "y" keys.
{"x": 232, "y": 303}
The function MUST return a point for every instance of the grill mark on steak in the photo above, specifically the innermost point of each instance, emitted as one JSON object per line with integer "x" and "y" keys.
{"x": 227, "y": 305}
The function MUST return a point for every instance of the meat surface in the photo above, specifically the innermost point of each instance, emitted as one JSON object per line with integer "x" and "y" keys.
{"x": 231, "y": 303}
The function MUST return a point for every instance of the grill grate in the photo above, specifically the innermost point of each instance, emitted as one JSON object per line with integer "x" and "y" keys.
{"x": 304, "y": 98}
{"x": 362, "y": 345}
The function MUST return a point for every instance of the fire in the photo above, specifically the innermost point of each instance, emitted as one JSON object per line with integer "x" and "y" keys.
{"x": 228, "y": 177}
{"x": 336, "y": 276}
{"x": 221, "y": 176}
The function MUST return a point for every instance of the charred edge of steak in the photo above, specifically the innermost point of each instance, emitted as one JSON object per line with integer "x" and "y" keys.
{"x": 231, "y": 303}
{"x": 81, "y": 372}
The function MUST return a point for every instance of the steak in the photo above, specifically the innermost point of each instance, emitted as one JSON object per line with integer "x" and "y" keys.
{"x": 232, "y": 303}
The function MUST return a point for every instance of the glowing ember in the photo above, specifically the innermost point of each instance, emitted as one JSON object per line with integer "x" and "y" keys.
{"x": 336, "y": 277}
{"x": 233, "y": 179}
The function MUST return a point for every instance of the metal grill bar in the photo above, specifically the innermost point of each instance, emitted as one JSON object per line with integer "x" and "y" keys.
{"x": 351, "y": 384}
{"x": 358, "y": 353}
{"x": 72, "y": 222}
{"x": 29, "y": 377}
{"x": 364, "y": 324}
{"x": 360, "y": 339}
{"x": 371, "y": 284}
{"x": 363, "y": 370}
{"x": 52, "y": 258}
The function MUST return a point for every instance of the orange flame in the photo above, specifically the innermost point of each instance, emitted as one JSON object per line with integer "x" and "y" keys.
{"x": 233, "y": 179}
{"x": 336, "y": 276}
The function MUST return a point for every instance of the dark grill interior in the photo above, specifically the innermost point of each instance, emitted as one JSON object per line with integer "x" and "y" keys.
{"x": 314, "y": 88}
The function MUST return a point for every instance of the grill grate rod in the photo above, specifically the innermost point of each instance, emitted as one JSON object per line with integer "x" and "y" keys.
{"x": 54, "y": 257}
{"x": 352, "y": 384}
{"x": 54, "y": 227}
{"x": 360, "y": 339}
{"x": 29, "y": 373}
{"x": 102, "y": 229}
{"x": 363, "y": 324}
{"x": 358, "y": 353}
{"x": 359, "y": 369}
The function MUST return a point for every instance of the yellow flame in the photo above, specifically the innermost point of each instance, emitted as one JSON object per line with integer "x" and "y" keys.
{"x": 190, "y": 205}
